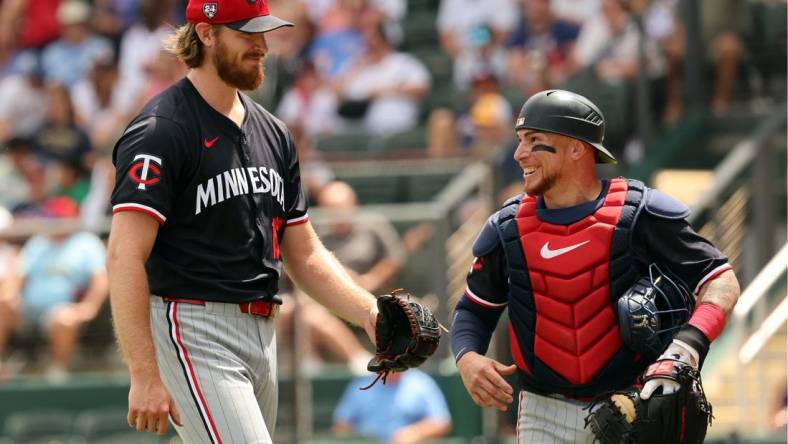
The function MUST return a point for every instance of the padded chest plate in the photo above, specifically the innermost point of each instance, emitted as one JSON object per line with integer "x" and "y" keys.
{"x": 576, "y": 331}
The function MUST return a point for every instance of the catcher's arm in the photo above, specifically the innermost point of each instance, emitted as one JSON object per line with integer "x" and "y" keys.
{"x": 716, "y": 300}
{"x": 482, "y": 376}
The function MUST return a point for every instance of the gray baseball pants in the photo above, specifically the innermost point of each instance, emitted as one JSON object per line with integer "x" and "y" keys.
{"x": 548, "y": 420}
{"x": 219, "y": 365}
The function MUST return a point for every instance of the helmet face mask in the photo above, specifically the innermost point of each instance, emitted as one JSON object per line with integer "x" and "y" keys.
{"x": 652, "y": 310}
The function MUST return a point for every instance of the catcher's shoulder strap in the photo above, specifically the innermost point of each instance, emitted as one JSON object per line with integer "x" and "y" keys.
{"x": 489, "y": 236}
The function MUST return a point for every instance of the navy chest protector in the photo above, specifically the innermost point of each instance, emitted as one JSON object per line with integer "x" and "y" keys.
{"x": 564, "y": 284}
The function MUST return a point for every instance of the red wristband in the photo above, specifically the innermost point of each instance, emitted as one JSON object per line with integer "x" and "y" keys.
{"x": 709, "y": 319}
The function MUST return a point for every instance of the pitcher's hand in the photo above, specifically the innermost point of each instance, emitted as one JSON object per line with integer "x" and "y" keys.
{"x": 150, "y": 404}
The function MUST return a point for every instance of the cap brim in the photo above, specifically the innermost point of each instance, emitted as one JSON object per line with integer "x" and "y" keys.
{"x": 603, "y": 155}
{"x": 263, "y": 23}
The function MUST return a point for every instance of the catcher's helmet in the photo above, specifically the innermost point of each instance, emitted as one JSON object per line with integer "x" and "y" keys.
{"x": 569, "y": 114}
{"x": 652, "y": 310}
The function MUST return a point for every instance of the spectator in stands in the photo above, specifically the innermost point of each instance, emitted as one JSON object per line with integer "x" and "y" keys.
{"x": 287, "y": 48}
{"x": 22, "y": 178}
{"x": 22, "y": 99}
{"x": 71, "y": 178}
{"x": 479, "y": 129}
{"x": 327, "y": 338}
{"x": 29, "y": 24}
{"x": 24, "y": 188}
{"x": 367, "y": 244}
{"x": 383, "y": 89}
{"x": 489, "y": 120}
{"x": 68, "y": 59}
{"x": 316, "y": 173}
{"x": 59, "y": 285}
{"x": 338, "y": 40}
{"x": 160, "y": 72}
{"x": 309, "y": 104}
{"x": 391, "y": 12}
{"x": 415, "y": 409}
{"x": 659, "y": 24}
{"x": 482, "y": 54}
{"x": 540, "y": 48}
{"x": 60, "y": 136}
{"x": 97, "y": 104}
{"x": 457, "y": 19}
{"x": 721, "y": 26}
{"x": 575, "y": 11}
{"x": 608, "y": 46}
{"x": 140, "y": 46}
{"x": 112, "y": 17}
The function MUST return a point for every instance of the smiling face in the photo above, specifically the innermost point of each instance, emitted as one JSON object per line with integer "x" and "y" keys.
{"x": 541, "y": 155}
{"x": 238, "y": 57}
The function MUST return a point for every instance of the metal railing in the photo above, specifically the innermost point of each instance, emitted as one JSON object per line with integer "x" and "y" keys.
{"x": 758, "y": 288}
{"x": 742, "y": 216}
{"x": 730, "y": 208}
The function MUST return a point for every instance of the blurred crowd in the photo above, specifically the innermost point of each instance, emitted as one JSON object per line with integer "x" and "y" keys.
{"x": 73, "y": 73}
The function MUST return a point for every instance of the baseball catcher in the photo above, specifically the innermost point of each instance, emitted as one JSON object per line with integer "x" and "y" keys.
{"x": 406, "y": 334}
{"x": 606, "y": 286}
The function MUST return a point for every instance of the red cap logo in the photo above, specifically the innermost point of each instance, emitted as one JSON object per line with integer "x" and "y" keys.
{"x": 225, "y": 11}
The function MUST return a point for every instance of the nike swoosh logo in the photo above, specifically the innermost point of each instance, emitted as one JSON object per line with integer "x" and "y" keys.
{"x": 209, "y": 143}
{"x": 547, "y": 253}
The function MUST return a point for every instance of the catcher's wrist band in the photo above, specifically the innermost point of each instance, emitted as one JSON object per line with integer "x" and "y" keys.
{"x": 709, "y": 319}
{"x": 694, "y": 338}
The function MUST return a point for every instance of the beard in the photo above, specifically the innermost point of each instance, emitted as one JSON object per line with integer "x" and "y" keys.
{"x": 233, "y": 72}
{"x": 537, "y": 187}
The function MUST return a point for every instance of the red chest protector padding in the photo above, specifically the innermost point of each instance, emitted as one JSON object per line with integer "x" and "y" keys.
{"x": 576, "y": 331}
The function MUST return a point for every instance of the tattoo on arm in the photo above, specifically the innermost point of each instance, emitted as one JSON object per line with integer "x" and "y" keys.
{"x": 723, "y": 291}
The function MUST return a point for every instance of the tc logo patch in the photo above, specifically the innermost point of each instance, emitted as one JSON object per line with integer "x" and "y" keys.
{"x": 520, "y": 121}
{"x": 140, "y": 171}
{"x": 210, "y": 9}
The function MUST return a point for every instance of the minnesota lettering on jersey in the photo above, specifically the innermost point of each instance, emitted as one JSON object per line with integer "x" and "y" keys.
{"x": 239, "y": 181}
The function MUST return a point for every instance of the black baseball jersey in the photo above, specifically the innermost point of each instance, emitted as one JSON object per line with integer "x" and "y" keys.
{"x": 223, "y": 195}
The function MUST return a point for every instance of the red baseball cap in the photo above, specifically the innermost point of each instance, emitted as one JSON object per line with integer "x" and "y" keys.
{"x": 241, "y": 15}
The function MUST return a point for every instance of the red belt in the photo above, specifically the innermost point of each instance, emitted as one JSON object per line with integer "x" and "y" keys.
{"x": 262, "y": 308}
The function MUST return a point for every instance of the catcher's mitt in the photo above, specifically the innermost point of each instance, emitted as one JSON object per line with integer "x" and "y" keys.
{"x": 681, "y": 417}
{"x": 406, "y": 334}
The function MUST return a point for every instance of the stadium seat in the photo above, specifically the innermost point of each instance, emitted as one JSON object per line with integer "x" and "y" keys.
{"x": 330, "y": 440}
{"x": 419, "y": 30}
{"x": 97, "y": 423}
{"x": 425, "y": 187}
{"x": 437, "y": 62}
{"x": 377, "y": 189}
{"x": 343, "y": 142}
{"x": 131, "y": 437}
{"x": 406, "y": 140}
{"x": 56, "y": 439}
{"x": 32, "y": 425}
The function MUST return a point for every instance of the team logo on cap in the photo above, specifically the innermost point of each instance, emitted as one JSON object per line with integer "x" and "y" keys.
{"x": 209, "y": 9}
{"x": 521, "y": 121}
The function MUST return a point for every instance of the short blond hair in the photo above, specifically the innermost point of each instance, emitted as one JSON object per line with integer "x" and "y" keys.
{"x": 186, "y": 45}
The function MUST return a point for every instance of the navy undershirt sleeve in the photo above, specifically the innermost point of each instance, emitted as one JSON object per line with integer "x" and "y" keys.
{"x": 472, "y": 327}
